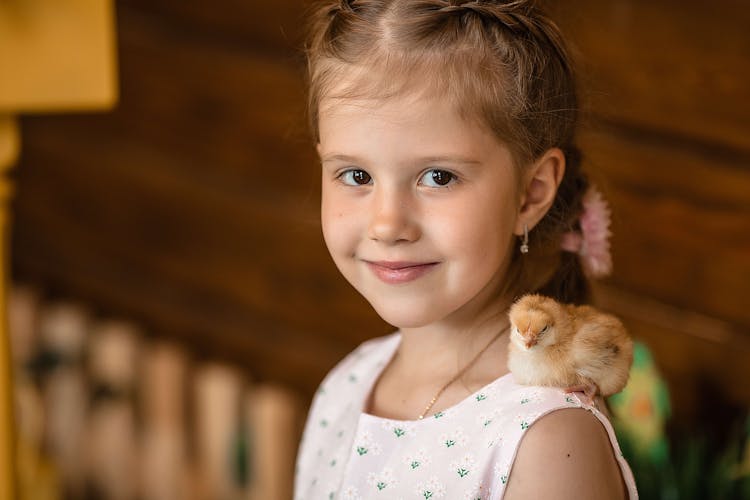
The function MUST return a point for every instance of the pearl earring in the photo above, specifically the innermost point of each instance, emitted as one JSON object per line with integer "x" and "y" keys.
{"x": 525, "y": 242}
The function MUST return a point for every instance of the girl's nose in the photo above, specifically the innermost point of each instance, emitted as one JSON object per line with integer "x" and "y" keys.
{"x": 392, "y": 219}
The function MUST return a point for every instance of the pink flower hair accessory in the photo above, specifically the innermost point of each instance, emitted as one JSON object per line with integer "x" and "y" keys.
{"x": 591, "y": 243}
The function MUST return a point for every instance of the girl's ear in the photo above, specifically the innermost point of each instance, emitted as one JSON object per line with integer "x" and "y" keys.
{"x": 539, "y": 187}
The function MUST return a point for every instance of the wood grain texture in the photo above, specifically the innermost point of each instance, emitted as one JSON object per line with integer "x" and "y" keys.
{"x": 239, "y": 276}
{"x": 193, "y": 207}
{"x": 671, "y": 67}
{"x": 681, "y": 221}
{"x": 276, "y": 27}
{"x": 674, "y": 67}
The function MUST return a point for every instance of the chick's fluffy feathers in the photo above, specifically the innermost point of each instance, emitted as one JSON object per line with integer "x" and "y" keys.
{"x": 564, "y": 345}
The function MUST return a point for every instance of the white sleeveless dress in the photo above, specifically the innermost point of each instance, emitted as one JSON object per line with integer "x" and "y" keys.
{"x": 464, "y": 452}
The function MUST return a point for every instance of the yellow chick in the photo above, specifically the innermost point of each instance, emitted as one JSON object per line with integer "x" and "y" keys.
{"x": 577, "y": 348}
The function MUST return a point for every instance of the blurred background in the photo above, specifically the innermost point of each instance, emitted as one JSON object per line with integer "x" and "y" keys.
{"x": 171, "y": 305}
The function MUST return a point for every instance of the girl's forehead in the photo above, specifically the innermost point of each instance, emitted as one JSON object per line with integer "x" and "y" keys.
{"x": 374, "y": 88}
{"x": 415, "y": 107}
{"x": 363, "y": 109}
{"x": 413, "y": 82}
{"x": 399, "y": 109}
{"x": 397, "y": 134}
{"x": 397, "y": 120}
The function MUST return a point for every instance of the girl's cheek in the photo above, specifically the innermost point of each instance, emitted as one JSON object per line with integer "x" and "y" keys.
{"x": 338, "y": 216}
{"x": 334, "y": 210}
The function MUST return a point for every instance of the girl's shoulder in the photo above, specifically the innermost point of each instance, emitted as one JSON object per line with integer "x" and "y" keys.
{"x": 332, "y": 417}
{"x": 368, "y": 357}
{"x": 542, "y": 423}
{"x": 565, "y": 445}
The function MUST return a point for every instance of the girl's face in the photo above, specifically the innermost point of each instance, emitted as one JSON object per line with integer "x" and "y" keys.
{"x": 419, "y": 207}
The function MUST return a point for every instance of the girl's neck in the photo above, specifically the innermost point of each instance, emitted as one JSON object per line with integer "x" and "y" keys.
{"x": 430, "y": 357}
{"x": 439, "y": 350}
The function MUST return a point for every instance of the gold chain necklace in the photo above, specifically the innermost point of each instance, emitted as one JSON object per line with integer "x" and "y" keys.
{"x": 459, "y": 374}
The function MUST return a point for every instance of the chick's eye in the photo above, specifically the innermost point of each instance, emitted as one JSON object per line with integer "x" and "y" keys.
{"x": 355, "y": 177}
{"x": 546, "y": 327}
{"x": 437, "y": 178}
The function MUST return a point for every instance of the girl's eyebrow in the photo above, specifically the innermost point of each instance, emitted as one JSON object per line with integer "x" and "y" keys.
{"x": 333, "y": 157}
{"x": 449, "y": 159}
{"x": 425, "y": 159}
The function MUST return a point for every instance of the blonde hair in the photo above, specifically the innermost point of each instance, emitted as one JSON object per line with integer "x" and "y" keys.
{"x": 502, "y": 64}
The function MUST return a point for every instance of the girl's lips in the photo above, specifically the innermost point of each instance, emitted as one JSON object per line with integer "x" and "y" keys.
{"x": 400, "y": 272}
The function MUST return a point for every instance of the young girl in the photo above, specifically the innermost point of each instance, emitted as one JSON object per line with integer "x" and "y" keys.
{"x": 449, "y": 177}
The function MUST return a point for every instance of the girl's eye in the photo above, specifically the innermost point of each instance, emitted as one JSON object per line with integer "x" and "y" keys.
{"x": 437, "y": 178}
{"x": 355, "y": 177}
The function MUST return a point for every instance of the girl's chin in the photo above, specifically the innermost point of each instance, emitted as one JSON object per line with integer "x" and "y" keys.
{"x": 405, "y": 315}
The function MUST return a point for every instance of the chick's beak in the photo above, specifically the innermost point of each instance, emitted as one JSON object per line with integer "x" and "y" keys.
{"x": 531, "y": 338}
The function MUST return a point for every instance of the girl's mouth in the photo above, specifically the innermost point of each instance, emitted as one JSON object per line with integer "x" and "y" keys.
{"x": 400, "y": 272}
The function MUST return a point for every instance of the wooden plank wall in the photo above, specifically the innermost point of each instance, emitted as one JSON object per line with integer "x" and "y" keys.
{"x": 193, "y": 206}
{"x": 667, "y": 87}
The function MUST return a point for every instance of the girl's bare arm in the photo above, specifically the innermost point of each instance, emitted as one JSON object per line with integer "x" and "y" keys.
{"x": 566, "y": 455}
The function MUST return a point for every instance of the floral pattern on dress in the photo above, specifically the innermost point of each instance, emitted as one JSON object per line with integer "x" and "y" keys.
{"x": 444, "y": 416}
{"x": 524, "y": 420}
{"x": 381, "y": 480}
{"x": 419, "y": 459}
{"x": 495, "y": 442}
{"x": 502, "y": 470}
{"x": 477, "y": 491}
{"x": 399, "y": 429}
{"x": 351, "y": 493}
{"x": 462, "y": 452}
{"x": 432, "y": 488}
{"x": 329, "y": 490}
{"x": 531, "y": 395}
{"x": 367, "y": 444}
{"x": 456, "y": 437}
{"x": 486, "y": 418}
{"x": 464, "y": 465}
